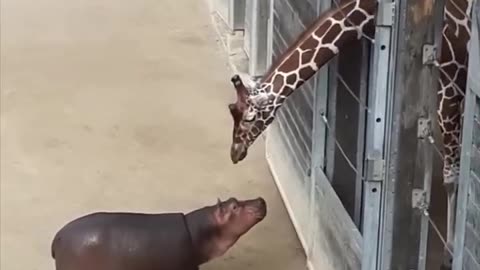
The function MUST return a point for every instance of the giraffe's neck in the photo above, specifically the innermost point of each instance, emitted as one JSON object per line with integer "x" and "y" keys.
{"x": 316, "y": 46}
{"x": 452, "y": 82}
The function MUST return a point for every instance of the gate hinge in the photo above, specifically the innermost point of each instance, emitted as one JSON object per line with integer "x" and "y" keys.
{"x": 429, "y": 54}
{"x": 386, "y": 13}
{"x": 375, "y": 170}
{"x": 419, "y": 199}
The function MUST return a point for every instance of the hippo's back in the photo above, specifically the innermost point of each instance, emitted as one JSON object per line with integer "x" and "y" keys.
{"x": 124, "y": 241}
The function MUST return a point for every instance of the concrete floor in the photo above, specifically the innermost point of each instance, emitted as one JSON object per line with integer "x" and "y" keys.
{"x": 121, "y": 105}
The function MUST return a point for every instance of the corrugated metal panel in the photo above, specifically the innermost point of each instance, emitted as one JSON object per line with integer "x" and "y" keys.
{"x": 292, "y": 130}
{"x": 295, "y": 116}
{"x": 330, "y": 237}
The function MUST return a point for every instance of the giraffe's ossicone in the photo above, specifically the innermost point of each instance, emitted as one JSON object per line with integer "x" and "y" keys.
{"x": 256, "y": 106}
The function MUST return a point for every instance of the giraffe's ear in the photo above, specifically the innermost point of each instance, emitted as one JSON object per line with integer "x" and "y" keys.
{"x": 242, "y": 92}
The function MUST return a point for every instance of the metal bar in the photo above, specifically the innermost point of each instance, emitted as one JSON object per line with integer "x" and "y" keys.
{"x": 331, "y": 115}
{"x": 425, "y": 147}
{"x": 236, "y": 14}
{"x": 471, "y": 99}
{"x": 425, "y": 132}
{"x": 255, "y": 36}
{"x": 407, "y": 159}
{"x": 270, "y": 33}
{"x": 464, "y": 180}
{"x": 362, "y": 114}
{"x": 318, "y": 133}
{"x": 378, "y": 89}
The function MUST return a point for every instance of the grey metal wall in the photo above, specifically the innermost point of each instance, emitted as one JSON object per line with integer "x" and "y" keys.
{"x": 232, "y": 12}
{"x": 292, "y": 130}
{"x": 467, "y": 245}
{"x": 297, "y": 147}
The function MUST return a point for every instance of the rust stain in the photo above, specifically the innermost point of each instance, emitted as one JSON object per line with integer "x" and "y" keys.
{"x": 422, "y": 9}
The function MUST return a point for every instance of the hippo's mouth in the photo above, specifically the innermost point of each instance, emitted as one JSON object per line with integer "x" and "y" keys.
{"x": 261, "y": 209}
{"x": 261, "y": 214}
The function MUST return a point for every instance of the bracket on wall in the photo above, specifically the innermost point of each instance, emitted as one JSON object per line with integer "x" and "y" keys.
{"x": 419, "y": 199}
{"x": 424, "y": 128}
{"x": 429, "y": 54}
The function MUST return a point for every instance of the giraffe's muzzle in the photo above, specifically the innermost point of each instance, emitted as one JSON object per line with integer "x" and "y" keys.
{"x": 238, "y": 152}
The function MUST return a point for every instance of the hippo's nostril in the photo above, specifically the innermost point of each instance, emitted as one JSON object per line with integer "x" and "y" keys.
{"x": 262, "y": 201}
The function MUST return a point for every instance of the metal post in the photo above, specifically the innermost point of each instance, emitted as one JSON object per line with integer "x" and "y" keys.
{"x": 408, "y": 155}
{"x": 375, "y": 161}
{"x": 472, "y": 95}
{"x": 319, "y": 130}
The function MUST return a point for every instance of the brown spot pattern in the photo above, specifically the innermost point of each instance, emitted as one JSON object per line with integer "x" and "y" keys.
{"x": 307, "y": 56}
{"x": 291, "y": 64}
{"x": 306, "y": 73}
{"x": 323, "y": 56}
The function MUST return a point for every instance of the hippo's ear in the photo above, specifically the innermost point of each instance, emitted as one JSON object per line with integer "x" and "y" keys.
{"x": 219, "y": 206}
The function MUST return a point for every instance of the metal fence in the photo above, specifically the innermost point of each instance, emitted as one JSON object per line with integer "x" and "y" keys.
{"x": 467, "y": 245}
{"x": 317, "y": 167}
{"x": 351, "y": 151}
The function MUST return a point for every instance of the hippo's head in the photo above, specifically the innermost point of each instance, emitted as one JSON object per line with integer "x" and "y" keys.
{"x": 234, "y": 218}
{"x": 214, "y": 229}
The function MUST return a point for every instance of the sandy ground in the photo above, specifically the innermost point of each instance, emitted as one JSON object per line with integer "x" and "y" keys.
{"x": 121, "y": 106}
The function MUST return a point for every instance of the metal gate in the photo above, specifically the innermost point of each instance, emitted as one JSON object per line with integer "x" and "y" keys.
{"x": 467, "y": 242}
{"x": 350, "y": 151}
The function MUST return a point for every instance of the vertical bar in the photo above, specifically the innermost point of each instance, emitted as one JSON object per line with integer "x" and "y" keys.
{"x": 379, "y": 87}
{"x": 464, "y": 180}
{"x": 331, "y": 115}
{"x": 319, "y": 131}
{"x": 320, "y": 107}
{"x": 270, "y": 33}
{"x": 471, "y": 99}
{"x": 361, "y": 135}
{"x": 408, "y": 160}
{"x": 256, "y": 32}
{"x": 330, "y": 82}
{"x": 424, "y": 146}
{"x": 236, "y": 14}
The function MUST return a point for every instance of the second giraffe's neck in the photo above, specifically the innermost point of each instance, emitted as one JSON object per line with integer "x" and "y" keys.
{"x": 317, "y": 45}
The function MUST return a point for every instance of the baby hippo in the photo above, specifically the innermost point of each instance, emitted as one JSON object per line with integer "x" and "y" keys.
{"x": 167, "y": 241}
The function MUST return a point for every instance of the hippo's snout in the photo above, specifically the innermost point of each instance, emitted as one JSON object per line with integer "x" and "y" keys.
{"x": 260, "y": 207}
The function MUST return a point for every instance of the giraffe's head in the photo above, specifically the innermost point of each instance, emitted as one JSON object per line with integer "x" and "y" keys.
{"x": 251, "y": 114}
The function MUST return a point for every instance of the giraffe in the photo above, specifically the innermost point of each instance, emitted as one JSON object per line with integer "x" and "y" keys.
{"x": 258, "y": 102}
{"x": 452, "y": 81}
